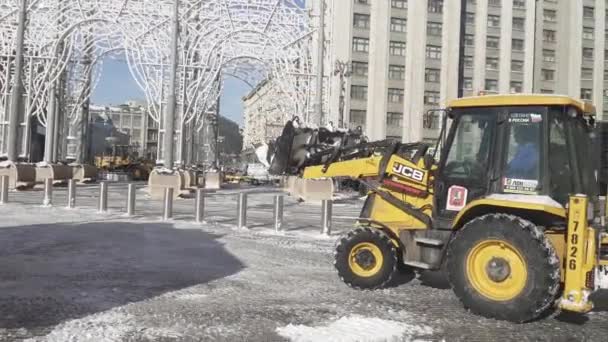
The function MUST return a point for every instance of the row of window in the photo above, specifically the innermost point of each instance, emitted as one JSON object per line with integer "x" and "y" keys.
{"x": 434, "y": 6}
{"x": 395, "y": 95}
{"x": 398, "y": 25}
{"x": 395, "y": 48}
{"x": 393, "y": 119}
{"x": 494, "y": 21}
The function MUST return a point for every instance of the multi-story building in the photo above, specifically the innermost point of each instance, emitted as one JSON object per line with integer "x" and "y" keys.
{"x": 404, "y": 56}
{"x": 264, "y": 114}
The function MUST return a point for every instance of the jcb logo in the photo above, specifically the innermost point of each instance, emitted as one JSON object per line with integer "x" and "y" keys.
{"x": 408, "y": 172}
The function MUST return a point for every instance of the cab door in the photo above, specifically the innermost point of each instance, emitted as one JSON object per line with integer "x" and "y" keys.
{"x": 467, "y": 162}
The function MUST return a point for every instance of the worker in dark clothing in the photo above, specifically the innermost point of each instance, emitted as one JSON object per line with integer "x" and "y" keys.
{"x": 524, "y": 165}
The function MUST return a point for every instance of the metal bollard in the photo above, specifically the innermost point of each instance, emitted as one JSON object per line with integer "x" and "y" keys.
{"x": 47, "y": 201}
{"x": 4, "y": 190}
{"x": 200, "y": 206}
{"x": 103, "y": 197}
{"x": 241, "y": 211}
{"x": 278, "y": 212}
{"x": 71, "y": 194}
{"x": 168, "y": 204}
{"x": 131, "y": 200}
{"x": 326, "y": 213}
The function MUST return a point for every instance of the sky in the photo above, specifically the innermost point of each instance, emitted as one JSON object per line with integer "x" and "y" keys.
{"x": 116, "y": 86}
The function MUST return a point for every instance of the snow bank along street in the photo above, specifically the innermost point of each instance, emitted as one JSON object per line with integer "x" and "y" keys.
{"x": 77, "y": 275}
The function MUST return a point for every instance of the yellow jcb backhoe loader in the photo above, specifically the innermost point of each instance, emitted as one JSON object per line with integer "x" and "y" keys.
{"x": 508, "y": 204}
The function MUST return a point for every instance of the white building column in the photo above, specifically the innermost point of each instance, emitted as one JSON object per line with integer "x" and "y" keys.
{"x": 450, "y": 52}
{"x": 479, "y": 60}
{"x": 569, "y": 54}
{"x": 341, "y": 36}
{"x": 415, "y": 62}
{"x": 530, "y": 57}
{"x": 598, "y": 63}
{"x": 377, "y": 85}
{"x": 506, "y": 40}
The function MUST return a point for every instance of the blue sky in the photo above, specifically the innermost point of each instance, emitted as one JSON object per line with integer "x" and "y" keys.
{"x": 116, "y": 86}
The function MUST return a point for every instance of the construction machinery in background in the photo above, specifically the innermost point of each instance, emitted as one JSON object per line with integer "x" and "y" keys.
{"x": 123, "y": 164}
{"x": 507, "y": 202}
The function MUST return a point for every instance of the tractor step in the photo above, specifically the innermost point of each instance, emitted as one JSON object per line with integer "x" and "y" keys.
{"x": 418, "y": 264}
{"x": 429, "y": 242}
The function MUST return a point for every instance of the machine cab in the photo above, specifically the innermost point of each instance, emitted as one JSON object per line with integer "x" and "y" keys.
{"x": 508, "y": 146}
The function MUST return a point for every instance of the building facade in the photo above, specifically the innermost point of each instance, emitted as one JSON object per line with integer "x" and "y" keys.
{"x": 404, "y": 56}
{"x": 264, "y": 114}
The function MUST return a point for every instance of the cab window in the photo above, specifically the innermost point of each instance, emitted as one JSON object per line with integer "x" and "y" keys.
{"x": 469, "y": 154}
{"x": 522, "y": 167}
{"x": 560, "y": 169}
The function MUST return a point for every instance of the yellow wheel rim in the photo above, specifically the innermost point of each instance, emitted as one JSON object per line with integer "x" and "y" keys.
{"x": 497, "y": 270}
{"x": 365, "y": 259}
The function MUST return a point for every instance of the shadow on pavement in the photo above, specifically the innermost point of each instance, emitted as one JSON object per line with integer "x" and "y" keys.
{"x": 57, "y": 272}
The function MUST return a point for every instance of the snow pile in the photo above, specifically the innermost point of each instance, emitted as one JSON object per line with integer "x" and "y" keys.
{"x": 355, "y": 329}
{"x": 107, "y": 326}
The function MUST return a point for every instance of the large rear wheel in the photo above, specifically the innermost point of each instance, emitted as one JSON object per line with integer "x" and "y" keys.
{"x": 501, "y": 266}
{"x": 366, "y": 258}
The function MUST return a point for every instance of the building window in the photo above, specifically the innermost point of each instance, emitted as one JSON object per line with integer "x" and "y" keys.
{"x": 399, "y": 4}
{"x": 546, "y": 91}
{"x": 397, "y": 48}
{"x": 469, "y": 40}
{"x": 360, "y": 44}
{"x": 433, "y": 52}
{"x": 586, "y": 73}
{"x": 361, "y": 21}
{"x": 436, "y": 6}
{"x": 394, "y": 119}
{"x": 549, "y": 15}
{"x": 519, "y": 23}
{"x": 588, "y": 33}
{"x": 358, "y": 92}
{"x": 588, "y": 53}
{"x": 548, "y": 55}
{"x": 549, "y": 36}
{"x": 493, "y": 21}
{"x": 360, "y": 69}
{"x": 434, "y": 29}
{"x": 491, "y": 63}
{"x": 517, "y": 66}
{"x": 362, "y": 2}
{"x": 548, "y": 74}
{"x": 586, "y": 94}
{"x": 468, "y": 61}
{"x": 137, "y": 120}
{"x": 470, "y": 18}
{"x": 432, "y": 75}
{"x": 517, "y": 44}
{"x": 492, "y": 42}
{"x": 516, "y": 86}
{"x": 495, "y": 3}
{"x": 588, "y": 12}
{"x": 396, "y": 72}
{"x": 357, "y": 117}
{"x": 398, "y": 25}
{"x": 519, "y": 4}
{"x": 468, "y": 83}
{"x": 395, "y": 95}
{"x": 491, "y": 85}
{"x": 431, "y": 97}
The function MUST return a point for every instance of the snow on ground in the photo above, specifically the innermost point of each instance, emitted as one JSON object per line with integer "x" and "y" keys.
{"x": 78, "y": 275}
{"x": 355, "y": 329}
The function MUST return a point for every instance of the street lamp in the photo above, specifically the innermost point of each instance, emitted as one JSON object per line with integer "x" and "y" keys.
{"x": 344, "y": 70}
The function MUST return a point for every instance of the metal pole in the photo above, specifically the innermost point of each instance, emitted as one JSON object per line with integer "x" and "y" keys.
{"x": 326, "y": 213}
{"x": 241, "y": 210}
{"x": 131, "y": 200}
{"x": 47, "y": 201}
{"x": 4, "y": 190}
{"x": 320, "y": 61}
{"x": 169, "y": 122}
{"x": 461, "y": 52}
{"x": 278, "y": 212}
{"x": 17, "y": 92}
{"x": 200, "y": 206}
{"x": 168, "y": 204}
{"x": 50, "y": 125}
{"x": 103, "y": 197}
{"x": 72, "y": 193}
